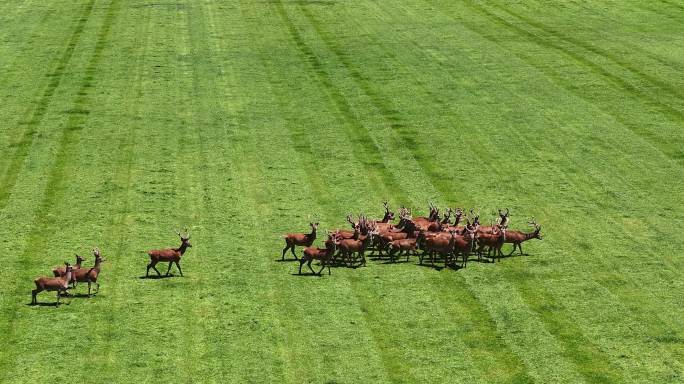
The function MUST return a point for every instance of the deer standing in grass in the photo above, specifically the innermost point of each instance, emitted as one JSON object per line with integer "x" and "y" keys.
{"x": 61, "y": 271}
{"x": 52, "y": 284}
{"x": 170, "y": 255}
{"x": 324, "y": 255}
{"x": 517, "y": 237}
{"x": 89, "y": 275}
{"x": 302, "y": 239}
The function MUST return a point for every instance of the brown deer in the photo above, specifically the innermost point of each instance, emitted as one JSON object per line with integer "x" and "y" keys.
{"x": 89, "y": 275}
{"x": 493, "y": 241}
{"x": 358, "y": 245}
{"x": 438, "y": 244}
{"x": 302, "y": 239}
{"x": 52, "y": 284}
{"x": 61, "y": 271}
{"x": 517, "y": 237}
{"x": 324, "y": 255}
{"x": 345, "y": 233}
{"x": 464, "y": 243}
{"x": 501, "y": 222}
{"x": 408, "y": 246}
{"x": 172, "y": 255}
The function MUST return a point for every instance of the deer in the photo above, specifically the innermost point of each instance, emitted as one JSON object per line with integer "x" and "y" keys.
{"x": 386, "y": 221}
{"x": 408, "y": 246}
{"x": 324, "y": 255}
{"x": 51, "y": 284}
{"x": 438, "y": 244}
{"x": 464, "y": 243}
{"x": 517, "y": 237}
{"x": 439, "y": 226}
{"x": 302, "y": 239}
{"x": 89, "y": 275}
{"x": 61, "y": 271}
{"x": 501, "y": 222}
{"x": 424, "y": 222}
{"x": 170, "y": 255}
{"x": 494, "y": 241}
{"x": 357, "y": 245}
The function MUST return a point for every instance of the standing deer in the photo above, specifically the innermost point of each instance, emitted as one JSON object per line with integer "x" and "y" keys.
{"x": 52, "y": 284}
{"x": 517, "y": 237}
{"x": 89, "y": 275}
{"x": 357, "y": 245}
{"x": 61, "y": 271}
{"x": 493, "y": 241}
{"x": 172, "y": 255}
{"x": 324, "y": 255}
{"x": 302, "y": 239}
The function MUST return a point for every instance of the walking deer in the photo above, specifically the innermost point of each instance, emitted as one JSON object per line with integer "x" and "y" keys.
{"x": 324, "y": 255}
{"x": 170, "y": 255}
{"x": 302, "y": 239}
{"x": 517, "y": 237}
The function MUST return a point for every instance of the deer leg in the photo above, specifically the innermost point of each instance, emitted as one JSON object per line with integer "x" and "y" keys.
{"x": 285, "y": 250}
{"x": 309, "y": 265}
{"x": 179, "y": 268}
{"x": 58, "y": 292}
{"x": 169, "y": 269}
{"x": 363, "y": 257}
{"x": 322, "y": 268}
{"x": 520, "y": 249}
{"x": 89, "y": 288}
{"x": 293, "y": 252}
{"x": 34, "y": 298}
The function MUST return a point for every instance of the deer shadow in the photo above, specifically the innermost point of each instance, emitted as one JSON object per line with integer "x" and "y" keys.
{"x": 46, "y": 304}
{"x": 156, "y": 277}
{"x": 307, "y": 274}
{"x": 285, "y": 260}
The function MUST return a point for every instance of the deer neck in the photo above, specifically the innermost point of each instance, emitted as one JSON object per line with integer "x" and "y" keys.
{"x": 182, "y": 248}
{"x": 97, "y": 265}
{"x": 67, "y": 278}
{"x": 530, "y": 235}
{"x": 312, "y": 235}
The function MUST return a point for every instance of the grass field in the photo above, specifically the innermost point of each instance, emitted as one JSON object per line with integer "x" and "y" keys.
{"x": 122, "y": 120}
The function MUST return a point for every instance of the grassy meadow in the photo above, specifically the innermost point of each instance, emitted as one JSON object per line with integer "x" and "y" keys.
{"x": 121, "y": 121}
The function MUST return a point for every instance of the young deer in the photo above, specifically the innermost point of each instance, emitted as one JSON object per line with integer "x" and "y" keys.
{"x": 52, "y": 284}
{"x": 89, "y": 275}
{"x": 303, "y": 239}
{"x": 61, "y": 271}
{"x": 517, "y": 237}
{"x": 324, "y": 255}
{"x": 170, "y": 255}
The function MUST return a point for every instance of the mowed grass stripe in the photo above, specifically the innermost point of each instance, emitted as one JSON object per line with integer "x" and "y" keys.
{"x": 655, "y": 137}
{"x": 50, "y": 197}
{"x": 35, "y": 113}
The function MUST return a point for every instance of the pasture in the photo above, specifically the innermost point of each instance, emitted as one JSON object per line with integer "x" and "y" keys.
{"x": 122, "y": 121}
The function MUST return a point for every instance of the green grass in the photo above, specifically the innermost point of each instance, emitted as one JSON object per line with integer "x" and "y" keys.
{"x": 122, "y": 120}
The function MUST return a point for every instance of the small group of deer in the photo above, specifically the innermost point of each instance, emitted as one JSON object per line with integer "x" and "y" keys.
{"x": 68, "y": 276}
{"x": 434, "y": 235}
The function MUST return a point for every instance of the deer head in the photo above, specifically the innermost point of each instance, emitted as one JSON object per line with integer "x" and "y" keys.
{"x": 185, "y": 239}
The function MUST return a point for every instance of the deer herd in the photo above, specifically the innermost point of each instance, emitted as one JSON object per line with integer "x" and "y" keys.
{"x": 439, "y": 239}
{"x": 66, "y": 277}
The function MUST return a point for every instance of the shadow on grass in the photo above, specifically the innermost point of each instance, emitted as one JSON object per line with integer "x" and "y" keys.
{"x": 286, "y": 260}
{"x": 156, "y": 277}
